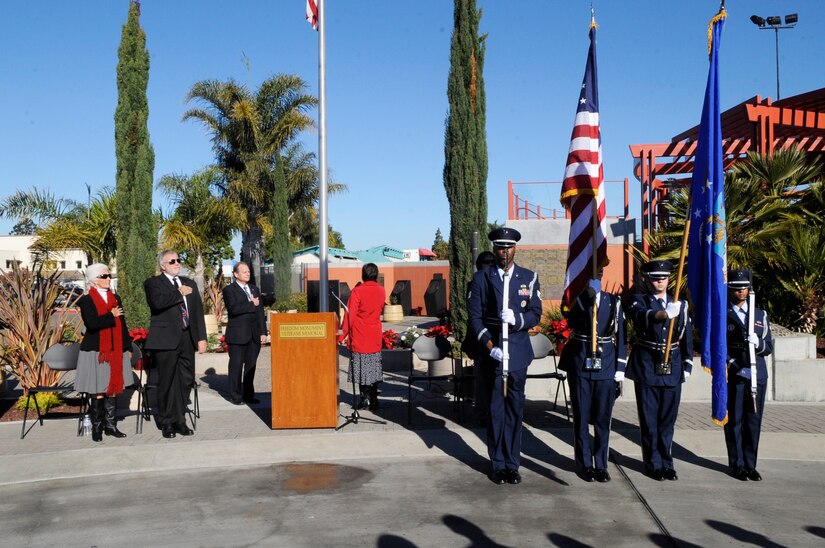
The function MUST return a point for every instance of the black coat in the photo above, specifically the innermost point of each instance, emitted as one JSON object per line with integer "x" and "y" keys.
{"x": 246, "y": 321}
{"x": 95, "y": 323}
{"x": 166, "y": 324}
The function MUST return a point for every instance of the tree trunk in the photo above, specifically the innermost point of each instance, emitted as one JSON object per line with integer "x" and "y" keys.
{"x": 199, "y": 270}
{"x": 252, "y": 252}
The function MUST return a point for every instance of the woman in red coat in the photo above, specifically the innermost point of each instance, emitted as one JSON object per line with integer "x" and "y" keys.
{"x": 362, "y": 324}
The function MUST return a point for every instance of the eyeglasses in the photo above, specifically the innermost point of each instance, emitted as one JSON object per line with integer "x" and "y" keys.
{"x": 173, "y": 261}
{"x": 104, "y": 276}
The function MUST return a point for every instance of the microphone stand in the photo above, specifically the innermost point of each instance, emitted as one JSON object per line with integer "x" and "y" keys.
{"x": 354, "y": 416}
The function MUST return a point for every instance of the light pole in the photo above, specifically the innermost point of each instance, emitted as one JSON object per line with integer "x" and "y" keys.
{"x": 775, "y": 22}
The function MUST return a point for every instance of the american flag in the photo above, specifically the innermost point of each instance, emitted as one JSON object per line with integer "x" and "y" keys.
{"x": 312, "y": 13}
{"x": 584, "y": 183}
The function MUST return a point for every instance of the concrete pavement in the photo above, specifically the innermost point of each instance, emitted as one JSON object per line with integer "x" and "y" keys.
{"x": 236, "y": 482}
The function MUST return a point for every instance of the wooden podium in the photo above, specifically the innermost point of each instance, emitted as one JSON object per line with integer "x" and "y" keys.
{"x": 304, "y": 370}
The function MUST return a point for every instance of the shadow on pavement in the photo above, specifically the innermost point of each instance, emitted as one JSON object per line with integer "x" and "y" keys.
{"x": 742, "y": 535}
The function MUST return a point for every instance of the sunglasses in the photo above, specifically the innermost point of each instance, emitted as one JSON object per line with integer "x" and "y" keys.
{"x": 104, "y": 276}
{"x": 173, "y": 261}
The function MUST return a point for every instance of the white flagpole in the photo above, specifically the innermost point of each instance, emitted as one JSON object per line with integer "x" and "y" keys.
{"x": 323, "y": 232}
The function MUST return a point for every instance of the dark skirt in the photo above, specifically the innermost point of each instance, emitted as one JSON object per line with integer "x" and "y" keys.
{"x": 365, "y": 368}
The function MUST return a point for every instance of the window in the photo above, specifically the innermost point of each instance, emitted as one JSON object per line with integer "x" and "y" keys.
{"x": 63, "y": 265}
{"x": 78, "y": 264}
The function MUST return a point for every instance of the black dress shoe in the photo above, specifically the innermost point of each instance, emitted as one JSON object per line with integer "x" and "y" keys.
{"x": 499, "y": 477}
{"x": 602, "y": 476}
{"x": 658, "y": 474}
{"x": 740, "y": 473}
{"x": 183, "y": 430}
{"x": 588, "y": 474}
{"x": 753, "y": 475}
{"x": 169, "y": 432}
{"x": 512, "y": 476}
{"x": 236, "y": 402}
{"x": 670, "y": 474}
{"x": 113, "y": 431}
{"x": 251, "y": 400}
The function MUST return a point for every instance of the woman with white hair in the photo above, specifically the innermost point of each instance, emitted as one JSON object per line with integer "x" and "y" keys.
{"x": 104, "y": 365}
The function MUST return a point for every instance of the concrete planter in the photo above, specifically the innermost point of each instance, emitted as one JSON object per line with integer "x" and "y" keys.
{"x": 393, "y": 313}
{"x": 397, "y": 359}
{"x": 211, "y": 323}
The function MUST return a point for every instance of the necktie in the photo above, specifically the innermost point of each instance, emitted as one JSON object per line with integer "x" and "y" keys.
{"x": 248, "y": 294}
{"x": 184, "y": 312}
{"x": 662, "y": 303}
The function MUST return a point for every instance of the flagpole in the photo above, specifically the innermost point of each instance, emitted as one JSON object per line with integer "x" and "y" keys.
{"x": 679, "y": 272}
{"x": 323, "y": 231}
{"x": 593, "y": 328}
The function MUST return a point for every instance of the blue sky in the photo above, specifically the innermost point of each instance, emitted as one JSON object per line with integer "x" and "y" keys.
{"x": 387, "y": 66}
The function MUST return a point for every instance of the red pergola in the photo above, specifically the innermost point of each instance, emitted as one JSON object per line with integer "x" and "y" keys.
{"x": 760, "y": 125}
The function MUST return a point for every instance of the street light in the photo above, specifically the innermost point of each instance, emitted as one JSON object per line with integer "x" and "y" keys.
{"x": 775, "y": 22}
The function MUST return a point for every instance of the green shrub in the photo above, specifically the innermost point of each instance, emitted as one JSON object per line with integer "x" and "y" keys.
{"x": 297, "y": 301}
{"x": 45, "y": 401}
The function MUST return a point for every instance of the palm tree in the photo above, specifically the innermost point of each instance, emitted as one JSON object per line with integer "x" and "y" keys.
{"x": 775, "y": 206}
{"x": 200, "y": 220}
{"x": 63, "y": 223}
{"x": 248, "y": 131}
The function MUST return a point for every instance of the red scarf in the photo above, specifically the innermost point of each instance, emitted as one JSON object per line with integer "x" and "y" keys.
{"x": 111, "y": 343}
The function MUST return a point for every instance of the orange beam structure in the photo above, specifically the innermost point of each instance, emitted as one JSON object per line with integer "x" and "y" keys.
{"x": 753, "y": 125}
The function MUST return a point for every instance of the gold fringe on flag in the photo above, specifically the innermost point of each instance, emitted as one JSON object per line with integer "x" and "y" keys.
{"x": 718, "y": 17}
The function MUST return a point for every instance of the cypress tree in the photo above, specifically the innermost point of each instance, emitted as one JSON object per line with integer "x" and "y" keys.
{"x": 137, "y": 231}
{"x": 281, "y": 256}
{"x": 465, "y": 153}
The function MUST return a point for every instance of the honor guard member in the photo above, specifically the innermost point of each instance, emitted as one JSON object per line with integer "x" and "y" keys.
{"x": 594, "y": 378}
{"x": 745, "y": 422}
{"x": 487, "y": 315}
{"x": 658, "y": 385}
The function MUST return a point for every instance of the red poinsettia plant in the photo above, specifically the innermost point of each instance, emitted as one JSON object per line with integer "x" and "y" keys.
{"x": 138, "y": 335}
{"x": 389, "y": 339}
{"x": 441, "y": 331}
{"x": 559, "y": 332}
{"x": 224, "y": 346}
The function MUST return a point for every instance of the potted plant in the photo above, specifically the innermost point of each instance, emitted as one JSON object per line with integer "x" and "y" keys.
{"x": 393, "y": 312}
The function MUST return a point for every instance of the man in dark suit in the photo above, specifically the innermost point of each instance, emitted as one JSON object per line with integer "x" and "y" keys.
{"x": 176, "y": 329}
{"x": 744, "y": 418}
{"x": 658, "y": 383}
{"x": 487, "y": 316}
{"x": 245, "y": 333}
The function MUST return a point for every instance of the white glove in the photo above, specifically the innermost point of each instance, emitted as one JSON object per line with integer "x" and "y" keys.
{"x": 753, "y": 339}
{"x": 686, "y": 374}
{"x": 672, "y": 309}
{"x": 508, "y": 316}
{"x": 595, "y": 286}
{"x": 496, "y": 354}
{"x": 619, "y": 376}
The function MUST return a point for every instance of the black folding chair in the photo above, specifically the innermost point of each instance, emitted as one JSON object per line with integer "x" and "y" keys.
{"x": 542, "y": 348}
{"x": 145, "y": 409}
{"x": 431, "y": 349}
{"x": 58, "y": 357}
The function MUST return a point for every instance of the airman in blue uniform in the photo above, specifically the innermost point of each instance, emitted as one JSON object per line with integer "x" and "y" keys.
{"x": 744, "y": 422}
{"x": 487, "y": 314}
{"x": 658, "y": 384}
{"x": 594, "y": 378}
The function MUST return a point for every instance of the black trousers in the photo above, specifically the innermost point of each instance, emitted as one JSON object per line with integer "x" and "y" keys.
{"x": 242, "y": 361}
{"x": 744, "y": 423}
{"x": 176, "y": 376}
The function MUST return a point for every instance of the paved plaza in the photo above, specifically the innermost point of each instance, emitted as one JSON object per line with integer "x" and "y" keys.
{"x": 236, "y": 482}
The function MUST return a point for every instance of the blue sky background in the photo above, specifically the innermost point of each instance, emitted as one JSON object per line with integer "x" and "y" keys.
{"x": 387, "y": 66}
